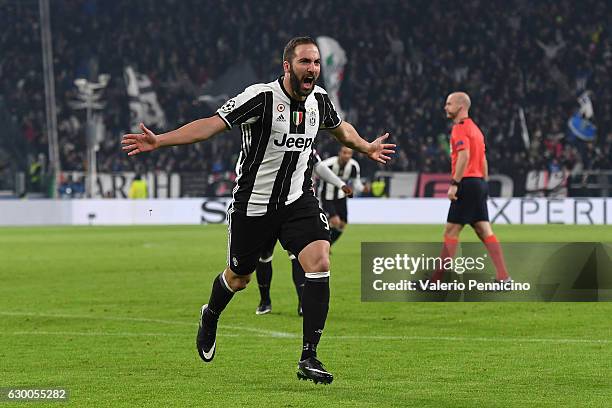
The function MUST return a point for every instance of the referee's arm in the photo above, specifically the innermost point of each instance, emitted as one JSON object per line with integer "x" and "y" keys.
{"x": 485, "y": 169}
{"x": 463, "y": 158}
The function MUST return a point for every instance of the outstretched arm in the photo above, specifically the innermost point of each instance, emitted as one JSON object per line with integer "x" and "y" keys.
{"x": 346, "y": 134}
{"x": 193, "y": 132}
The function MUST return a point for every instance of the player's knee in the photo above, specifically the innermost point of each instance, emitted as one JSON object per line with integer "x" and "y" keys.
{"x": 452, "y": 230}
{"x": 318, "y": 263}
{"x": 315, "y": 257}
{"x": 481, "y": 235}
{"x": 266, "y": 256}
{"x": 236, "y": 282}
{"x": 239, "y": 283}
{"x": 321, "y": 264}
{"x": 335, "y": 221}
{"x": 483, "y": 230}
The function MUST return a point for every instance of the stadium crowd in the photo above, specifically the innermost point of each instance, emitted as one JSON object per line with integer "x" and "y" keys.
{"x": 404, "y": 58}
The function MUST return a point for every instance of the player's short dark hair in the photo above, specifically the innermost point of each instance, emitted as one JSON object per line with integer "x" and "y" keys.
{"x": 289, "y": 51}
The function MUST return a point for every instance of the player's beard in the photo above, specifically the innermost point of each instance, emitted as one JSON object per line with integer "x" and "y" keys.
{"x": 296, "y": 84}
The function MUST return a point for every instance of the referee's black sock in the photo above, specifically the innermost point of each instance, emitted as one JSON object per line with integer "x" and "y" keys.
{"x": 220, "y": 296}
{"x": 335, "y": 234}
{"x": 298, "y": 277}
{"x": 315, "y": 304}
{"x": 264, "y": 279}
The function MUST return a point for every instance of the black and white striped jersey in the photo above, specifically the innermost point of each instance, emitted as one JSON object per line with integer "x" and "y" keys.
{"x": 349, "y": 173}
{"x": 324, "y": 173}
{"x": 278, "y": 132}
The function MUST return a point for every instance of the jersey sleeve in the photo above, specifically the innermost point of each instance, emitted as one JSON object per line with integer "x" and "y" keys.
{"x": 327, "y": 175}
{"x": 316, "y": 159}
{"x": 246, "y": 107}
{"x": 330, "y": 119}
{"x": 459, "y": 139}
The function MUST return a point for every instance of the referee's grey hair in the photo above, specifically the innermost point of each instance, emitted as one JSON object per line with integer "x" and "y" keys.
{"x": 289, "y": 51}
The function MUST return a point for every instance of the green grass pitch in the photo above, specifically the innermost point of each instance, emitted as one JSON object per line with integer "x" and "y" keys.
{"x": 111, "y": 314}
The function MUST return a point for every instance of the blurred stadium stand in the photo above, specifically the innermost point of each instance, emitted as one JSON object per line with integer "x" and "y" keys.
{"x": 550, "y": 60}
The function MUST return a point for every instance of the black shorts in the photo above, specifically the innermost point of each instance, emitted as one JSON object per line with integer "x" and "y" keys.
{"x": 267, "y": 251}
{"x": 267, "y": 254}
{"x": 471, "y": 203}
{"x": 336, "y": 207}
{"x": 295, "y": 226}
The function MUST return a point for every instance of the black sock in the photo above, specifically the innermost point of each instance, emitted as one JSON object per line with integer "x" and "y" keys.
{"x": 315, "y": 304}
{"x": 335, "y": 234}
{"x": 220, "y": 296}
{"x": 298, "y": 277}
{"x": 264, "y": 278}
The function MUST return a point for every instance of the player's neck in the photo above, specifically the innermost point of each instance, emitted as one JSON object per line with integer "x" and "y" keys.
{"x": 460, "y": 118}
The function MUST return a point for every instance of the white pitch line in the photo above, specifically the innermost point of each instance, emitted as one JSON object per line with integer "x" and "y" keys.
{"x": 331, "y": 337}
{"x": 262, "y": 332}
{"x": 279, "y": 334}
{"x": 482, "y": 339}
{"x": 96, "y": 334}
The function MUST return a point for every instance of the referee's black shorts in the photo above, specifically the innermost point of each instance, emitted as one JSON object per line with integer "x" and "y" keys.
{"x": 336, "y": 207}
{"x": 471, "y": 203}
{"x": 295, "y": 226}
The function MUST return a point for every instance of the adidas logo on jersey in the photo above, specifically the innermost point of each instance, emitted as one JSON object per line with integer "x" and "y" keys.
{"x": 281, "y": 118}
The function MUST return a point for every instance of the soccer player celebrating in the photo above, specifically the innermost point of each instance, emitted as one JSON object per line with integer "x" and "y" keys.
{"x": 333, "y": 199}
{"x": 468, "y": 190}
{"x": 273, "y": 196}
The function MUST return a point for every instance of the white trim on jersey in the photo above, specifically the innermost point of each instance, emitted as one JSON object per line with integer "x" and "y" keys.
{"x": 230, "y": 210}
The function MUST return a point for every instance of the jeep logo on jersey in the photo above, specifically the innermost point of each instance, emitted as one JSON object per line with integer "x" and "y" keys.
{"x": 293, "y": 143}
{"x": 297, "y": 117}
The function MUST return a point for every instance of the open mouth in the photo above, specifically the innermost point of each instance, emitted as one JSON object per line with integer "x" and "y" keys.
{"x": 308, "y": 82}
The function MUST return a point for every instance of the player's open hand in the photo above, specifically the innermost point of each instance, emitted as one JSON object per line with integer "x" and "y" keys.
{"x": 379, "y": 150}
{"x": 347, "y": 190}
{"x": 135, "y": 143}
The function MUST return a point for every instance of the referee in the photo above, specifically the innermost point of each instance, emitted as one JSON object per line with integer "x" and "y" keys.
{"x": 468, "y": 191}
{"x": 333, "y": 199}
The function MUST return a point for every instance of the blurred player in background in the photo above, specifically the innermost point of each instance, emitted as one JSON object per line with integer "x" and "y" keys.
{"x": 333, "y": 199}
{"x": 468, "y": 191}
{"x": 273, "y": 197}
{"x": 264, "y": 266}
